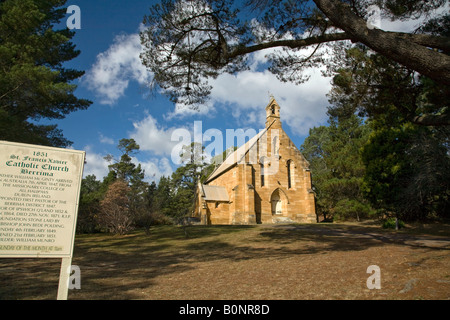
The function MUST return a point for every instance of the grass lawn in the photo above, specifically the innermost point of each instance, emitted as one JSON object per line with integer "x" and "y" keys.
{"x": 285, "y": 262}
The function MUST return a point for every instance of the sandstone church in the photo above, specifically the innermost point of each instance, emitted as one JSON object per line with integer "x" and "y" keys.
{"x": 266, "y": 180}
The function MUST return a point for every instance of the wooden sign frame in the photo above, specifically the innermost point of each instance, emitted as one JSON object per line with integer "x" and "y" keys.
{"x": 39, "y": 199}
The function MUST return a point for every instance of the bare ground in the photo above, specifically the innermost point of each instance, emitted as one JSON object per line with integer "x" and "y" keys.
{"x": 276, "y": 262}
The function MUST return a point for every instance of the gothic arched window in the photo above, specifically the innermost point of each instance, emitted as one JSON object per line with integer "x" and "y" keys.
{"x": 262, "y": 174}
{"x": 290, "y": 173}
{"x": 275, "y": 147}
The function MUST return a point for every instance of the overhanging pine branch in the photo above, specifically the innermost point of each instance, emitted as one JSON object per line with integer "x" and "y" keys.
{"x": 294, "y": 44}
{"x": 431, "y": 120}
{"x": 430, "y": 63}
{"x": 427, "y": 40}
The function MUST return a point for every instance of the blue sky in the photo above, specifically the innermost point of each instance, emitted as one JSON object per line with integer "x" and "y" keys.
{"x": 115, "y": 82}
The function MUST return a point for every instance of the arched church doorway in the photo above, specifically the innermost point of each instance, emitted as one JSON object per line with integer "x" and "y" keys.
{"x": 278, "y": 201}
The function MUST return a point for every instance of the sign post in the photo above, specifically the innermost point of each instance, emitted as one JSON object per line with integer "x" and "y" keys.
{"x": 39, "y": 197}
{"x": 64, "y": 275}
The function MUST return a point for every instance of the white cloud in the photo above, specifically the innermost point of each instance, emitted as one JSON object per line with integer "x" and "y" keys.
{"x": 245, "y": 94}
{"x": 302, "y": 106}
{"x": 152, "y": 137}
{"x": 248, "y": 92}
{"x": 95, "y": 164}
{"x": 411, "y": 24}
{"x": 155, "y": 168}
{"x": 116, "y": 67}
{"x": 105, "y": 140}
{"x": 182, "y": 110}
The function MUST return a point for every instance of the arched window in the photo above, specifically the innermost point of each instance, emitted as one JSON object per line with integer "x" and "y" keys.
{"x": 262, "y": 174}
{"x": 290, "y": 173}
{"x": 273, "y": 109}
{"x": 275, "y": 147}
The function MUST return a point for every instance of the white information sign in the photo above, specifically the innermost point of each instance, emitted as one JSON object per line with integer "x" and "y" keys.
{"x": 39, "y": 195}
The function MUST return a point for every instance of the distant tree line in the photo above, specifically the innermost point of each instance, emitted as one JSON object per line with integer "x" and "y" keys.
{"x": 385, "y": 151}
{"x": 124, "y": 200}
{"x": 371, "y": 160}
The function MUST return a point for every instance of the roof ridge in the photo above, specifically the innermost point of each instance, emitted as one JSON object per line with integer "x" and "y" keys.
{"x": 225, "y": 166}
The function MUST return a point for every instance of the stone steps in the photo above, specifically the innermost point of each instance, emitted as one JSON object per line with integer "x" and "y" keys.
{"x": 282, "y": 220}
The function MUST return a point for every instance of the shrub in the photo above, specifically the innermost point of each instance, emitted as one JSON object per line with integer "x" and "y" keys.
{"x": 390, "y": 223}
{"x": 352, "y": 209}
{"x": 114, "y": 212}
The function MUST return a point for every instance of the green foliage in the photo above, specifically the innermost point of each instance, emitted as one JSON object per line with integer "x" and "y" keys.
{"x": 125, "y": 169}
{"x": 408, "y": 171}
{"x": 348, "y": 209}
{"x": 405, "y": 9}
{"x": 373, "y": 86}
{"x": 393, "y": 223}
{"x": 34, "y": 84}
{"x": 91, "y": 194}
{"x": 174, "y": 195}
{"x": 337, "y": 170}
{"x": 386, "y": 166}
{"x": 163, "y": 196}
{"x": 184, "y": 180}
{"x": 407, "y": 164}
{"x": 188, "y": 43}
{"x": 169, "y": 201}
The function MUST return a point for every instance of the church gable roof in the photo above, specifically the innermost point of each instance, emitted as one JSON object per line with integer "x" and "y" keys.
{"x": 237, "y": 156}
{"x": 215, "y": 193}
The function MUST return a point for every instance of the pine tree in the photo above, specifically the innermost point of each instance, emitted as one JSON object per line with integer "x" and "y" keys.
{"x": 188, "y": 43}
{"x": 337, "y": 168}
{"x": 90, "y": 196}
{"x": 132, "y": 174}
{"x": 407, "y": 163}
{"x": 34, "y": 84}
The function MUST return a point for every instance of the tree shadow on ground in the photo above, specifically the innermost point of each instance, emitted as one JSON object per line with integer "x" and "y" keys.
{"x": 349, "y": 237}
{"x": 119, "y": 267}
{"x": 124, "y": 264}
{"x": 29, "y": 279}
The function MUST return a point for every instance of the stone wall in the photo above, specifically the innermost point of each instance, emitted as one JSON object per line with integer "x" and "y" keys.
{"x": 250, "y": 198}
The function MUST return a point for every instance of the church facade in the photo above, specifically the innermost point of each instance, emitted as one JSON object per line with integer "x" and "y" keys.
{"x": 266, "y": 180}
